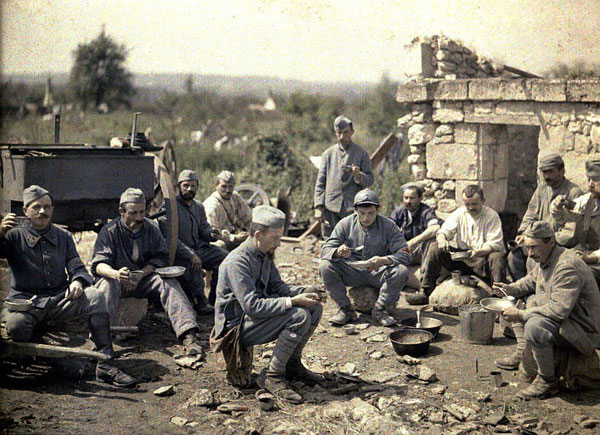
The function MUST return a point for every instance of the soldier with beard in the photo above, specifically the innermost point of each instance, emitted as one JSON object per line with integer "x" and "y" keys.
{"x": 250, "y": 288}
{"x": 194, "y": 249}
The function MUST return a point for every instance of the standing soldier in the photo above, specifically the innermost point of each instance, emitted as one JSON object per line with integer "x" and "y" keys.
{"x": 345, "y": 170}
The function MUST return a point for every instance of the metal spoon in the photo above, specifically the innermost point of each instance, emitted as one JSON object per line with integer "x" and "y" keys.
{"x": 418, "y": 325}
{"x": 506, "y": 295}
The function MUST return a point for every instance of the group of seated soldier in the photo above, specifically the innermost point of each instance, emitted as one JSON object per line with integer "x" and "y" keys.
{"x": 247, "y": 291}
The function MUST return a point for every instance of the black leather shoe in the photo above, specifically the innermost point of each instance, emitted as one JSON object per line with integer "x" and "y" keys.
{"x": 295, "y": 370}
{"x": 418, "y": 298}
{"x": 112, "y": 375}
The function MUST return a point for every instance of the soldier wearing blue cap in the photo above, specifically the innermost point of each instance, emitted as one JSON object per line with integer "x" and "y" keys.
{"x": 46, "y": 269}
{"x": 251, "y": 291}
{"x": 134, "y": 243}
{"x": 552, "y": 170}
{"x": 194, "y": 248}
{"x": 345, "y": 170}
{"x": 372, "y": 238}
{"x": 563, "y": 311}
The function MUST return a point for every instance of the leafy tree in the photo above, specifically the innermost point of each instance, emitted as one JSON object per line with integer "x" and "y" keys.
{"x": 99, "y": 74}
{"x": 573, "y": 71}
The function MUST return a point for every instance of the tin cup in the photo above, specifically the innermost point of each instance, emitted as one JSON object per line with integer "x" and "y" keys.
{"x": 496, "y": 379}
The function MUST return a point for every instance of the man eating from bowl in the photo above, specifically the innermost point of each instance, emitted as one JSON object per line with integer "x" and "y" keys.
{"x": 563, "y": 312}
{"x": 377, "y": 241}
{"x": 474, "y": 229}
{"x": 133, "y": 243}
{"x": 46, "y": 270}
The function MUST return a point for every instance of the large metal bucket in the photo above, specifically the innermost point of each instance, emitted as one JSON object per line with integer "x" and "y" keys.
{"x": 476, "y": 324}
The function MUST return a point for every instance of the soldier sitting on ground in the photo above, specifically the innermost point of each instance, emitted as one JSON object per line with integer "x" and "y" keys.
{"x": 133, "y": 243}
{"x": 370, "y": 237}
{"x": 46, "y": 269}
{"x": 228, "y": 212}
{"x": 251, "y": 291}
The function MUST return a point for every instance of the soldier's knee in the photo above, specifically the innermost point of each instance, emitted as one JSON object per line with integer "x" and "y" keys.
{"x": 19, "y": 326}
{"x": 398, "y": 274}
{"x": 327, "y": 270}
{"x": 300, "y": 319}
{"x": 538, "y": 332}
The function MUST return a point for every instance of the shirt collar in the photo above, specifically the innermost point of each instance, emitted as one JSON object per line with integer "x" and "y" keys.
{"x": 253, "y": 249}
{"x": 32, "y": 236}
{"x": 552, "y": 257}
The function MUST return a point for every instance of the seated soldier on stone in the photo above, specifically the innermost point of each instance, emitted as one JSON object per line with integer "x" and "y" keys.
{"x": 228, "y": 212}
{"x": 552, "y": 169}
{"x": 250, "y": 288}
{"x": 46, "y": 269}
{"x": 367, "y": 236}
{"x": 585, "y": 212}
{"x": 475, "y": 228}
{"x": 563, "y": 311}
{"x": 132, "y": 243}
{"x": 417, "y": 221}
{"x": 194, "y": 250}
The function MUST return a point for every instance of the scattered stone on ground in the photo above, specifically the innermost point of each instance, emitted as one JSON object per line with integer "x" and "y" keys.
{"x": 167, "y": 390}
{"x": 179, "y": 421}
{"x": 202, "y": 397}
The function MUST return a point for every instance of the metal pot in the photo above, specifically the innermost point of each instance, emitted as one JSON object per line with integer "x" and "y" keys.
{"x": 428, "y": 324}
{"x": 413, "y": 342}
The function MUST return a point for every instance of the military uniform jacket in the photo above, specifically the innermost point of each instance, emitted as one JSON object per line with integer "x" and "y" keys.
{"x": 232, "y": 215}
{"x": 335, "y": 189}
{"x": 566, "y": 292}
{"x": 538, "y": 208}
{"x": 194, "y": 229}
{"x": 249, "y": 283}
{"x": 41, "y": 263}
{"x": 114, "y": 246}
{"x": 383, "y": 238}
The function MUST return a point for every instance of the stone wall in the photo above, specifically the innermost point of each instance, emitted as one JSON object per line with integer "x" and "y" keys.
{"x": 458, "y": 133}
{"x": 449, "y": 59}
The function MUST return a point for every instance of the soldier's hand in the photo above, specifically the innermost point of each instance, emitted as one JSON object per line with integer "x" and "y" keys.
{"x": 520, "y": 239}
{"x": 305, "y": 300}
{"x": 240, "y": 237}
{"x": 355, "y": 171}
{"x": 319, "y": 214}
{"x": 374, "y": 263}
{"x": 74, "y": 291}
{"x": 590, "y": 258}
{"x": 443, "y": 244}
{"x": 196, "y": 263}
{"x": 512, "y": 314}
{"x": 123, "y": 275}
{"x": 501, "y": 289}
{"x": 343, "y": 252}
{"x": 9, "y": 221}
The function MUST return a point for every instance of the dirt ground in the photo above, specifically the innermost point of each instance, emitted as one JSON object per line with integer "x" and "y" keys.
{"x": 34, "y": 398}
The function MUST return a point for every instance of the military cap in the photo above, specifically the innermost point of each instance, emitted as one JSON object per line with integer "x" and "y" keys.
{"x": 366, "y": 197}
{"x": 187, "y": 175}
{"x": 539, "y": 230}
{"x": 592, "y": 168}
{"x": 268, "y": 216}
{"x": 226, "y": 176}
{"x": 549, "y": 161}
{"x": 341, "y": 122}
{"x": 132, "y": 195}
{"x": 33, "y": 193}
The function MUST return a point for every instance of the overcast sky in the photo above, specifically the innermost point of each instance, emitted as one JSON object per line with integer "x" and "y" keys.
{"x": 322, "y": 40}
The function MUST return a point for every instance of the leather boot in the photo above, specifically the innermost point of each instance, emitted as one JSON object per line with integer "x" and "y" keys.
{"x": 510, "y": 362}
{"x": 540, "y": 388}
{"x": 276, "y": 385}
{"x": 110, "y": 374}
{"x": 343, "y": 316}
{"x": 383, "y": 317}
{"x": 295, "y": 370}
{"x": 418, "y": 298}
{"x": 192, "y": 344}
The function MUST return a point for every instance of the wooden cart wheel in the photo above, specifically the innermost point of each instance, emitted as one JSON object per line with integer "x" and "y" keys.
{"x": 253, "y": 194}
{"x": 167, "y": 156}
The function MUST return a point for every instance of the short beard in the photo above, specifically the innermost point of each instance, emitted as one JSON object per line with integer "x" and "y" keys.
{"x": 187, "y": 196}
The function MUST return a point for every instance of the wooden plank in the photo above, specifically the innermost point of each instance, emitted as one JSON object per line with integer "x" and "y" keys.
{"x": 11, "y": 348}
{"x": 315, "y": 228}
{"x": 383, "y": 148}
{"x": 290, "y": 239}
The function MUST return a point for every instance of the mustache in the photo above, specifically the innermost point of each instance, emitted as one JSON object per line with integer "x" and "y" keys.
{"x": 188, "y": 195}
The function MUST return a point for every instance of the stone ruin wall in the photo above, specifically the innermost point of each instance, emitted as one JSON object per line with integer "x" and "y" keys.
{"x": 490, "y": 131}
